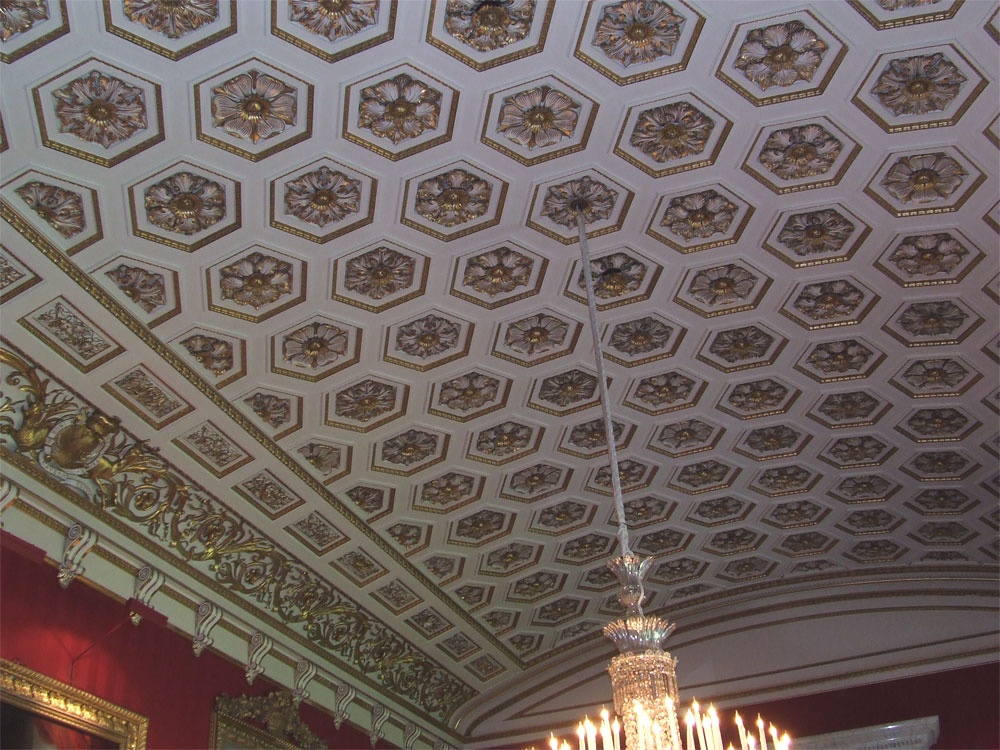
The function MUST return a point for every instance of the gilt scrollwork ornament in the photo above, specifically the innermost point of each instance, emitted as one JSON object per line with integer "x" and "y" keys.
{"x": 115, "y": 474}
{"x": 79, "y": 541}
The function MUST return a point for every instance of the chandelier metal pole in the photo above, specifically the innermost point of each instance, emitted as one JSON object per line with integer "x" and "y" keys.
{"x": 643, "y": 674}
{"x": 602, "y": 384}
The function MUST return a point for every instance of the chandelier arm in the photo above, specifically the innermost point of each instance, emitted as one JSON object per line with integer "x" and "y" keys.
{"x": 602, "y": 381}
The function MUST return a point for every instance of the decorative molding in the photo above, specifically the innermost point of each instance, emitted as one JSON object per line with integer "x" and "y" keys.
{"x": 913, "y": 734}
{"x": 79, "y": 541}
{"x": 379, "y": 715}
{"x": 277, "y": 713}
{"x": 257, "y": 648}
{"x": 345, "y": 696}
{"x": 207, "y": 616}
{"x": 305, "y": 671}
{"x": 147, "y": 582}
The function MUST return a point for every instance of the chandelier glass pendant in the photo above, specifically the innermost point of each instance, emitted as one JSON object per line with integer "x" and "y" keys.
{"x": 643, "y": 674}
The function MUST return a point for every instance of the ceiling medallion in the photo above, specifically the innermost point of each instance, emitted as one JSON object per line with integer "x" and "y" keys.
{"x": 274, "y": 410}
{"x": 333, "y": 19}
{"x": 498, "y": 276}
{"x": 256, "y": 280}
{"x": 924, "y": 183}
{"x": 485, "y": 33}
{"x": 399, "y": 108}
{"x": 333, "y": 29}
{"x": 67, "y": 214}
{"x": 489, "y": 25}
{"x": 892, "y": 14}
{"x": 621, "y": 277}
{"x": 672, "y": 135}
{"x": 98, "y": 112}
{"x": 931, "y": 87}
{"x": 20, "y": 16}
{"x": 636, "y": 40}
{"x": 467, "y": 396}
{"x": 825, "y": 234}
{"x": 253, "y": 109}
{"x": 700, "y": 220}
{"x": 184, "y": 203}
{"x": 185, "y": 207}
{"x": 254, "y": 106}
{"x": 923, "y": 178}
{"x": 173, "y": 29}
{"x": 781, "y": 58}
{"x": 801, "y": 156}
{"x": 255, "y": 284}
{"x": 722, "y": 289}
{"x": 699, "y": 215}
{"x": 173, "y": 20}
{"x": 379, "y": 276}
{"x": 603, "y": 202}
{"x": 365, "y": 404}
{"x": 151, "y": 291}
{"x": 937, "y": 258}
{"x": 667, "y": 392}
{"x": 314, "y": 345}
{"x": 918, "y": 85}
{"x": 322, "y": 200}
{"x": 637, "y": 31}
{"x": 315, "y": 350}
{"x": 846, "y": 359}
{"x": 538, "y": 117}
{"x": 399, "y": 112}
{"x": 322, "y": 197}
{"x": 780, "y": 55}
{"x": 564, "y": 393}
{"x": 59, "y": 208}
{"x": 379, "y": 273}
{"x": 642, "y": 340}
{"x": 453, "y": 203}
{"x": 427, "y": 341}
{"x": 26, "y": 25}
{"x": 223, "y": 358}
{"x": 593, "y": 198}
{"x": 826, "y": 304}
{"x": 799, "y": 152}
{"x": 452, "y": 198}
{"x": 99, "y": 108}
{"x": 671, "y": 132}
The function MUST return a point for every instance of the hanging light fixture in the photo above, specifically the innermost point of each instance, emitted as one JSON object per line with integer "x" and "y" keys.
{"x": 643, "y": 674}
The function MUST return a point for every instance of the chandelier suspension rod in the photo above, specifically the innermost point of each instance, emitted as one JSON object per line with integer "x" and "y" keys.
{"x": 602, "y": 381}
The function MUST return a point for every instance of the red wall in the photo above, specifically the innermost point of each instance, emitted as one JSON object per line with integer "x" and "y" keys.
{"x": 149, "y": 669}
{"x": 966, "y": 702}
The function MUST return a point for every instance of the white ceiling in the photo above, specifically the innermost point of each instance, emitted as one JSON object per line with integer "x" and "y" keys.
{"x": 389, "y": 387}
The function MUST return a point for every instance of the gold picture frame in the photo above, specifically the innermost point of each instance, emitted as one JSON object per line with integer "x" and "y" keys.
{"x": 36, "y": 704}
{"x": 261, "y": 722}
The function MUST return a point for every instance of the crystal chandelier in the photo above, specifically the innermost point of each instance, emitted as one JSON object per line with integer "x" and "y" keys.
{"x": 643, "y": 674}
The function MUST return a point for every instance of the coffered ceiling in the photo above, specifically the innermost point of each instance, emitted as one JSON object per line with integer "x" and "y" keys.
{"x": 292, "y": 304}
